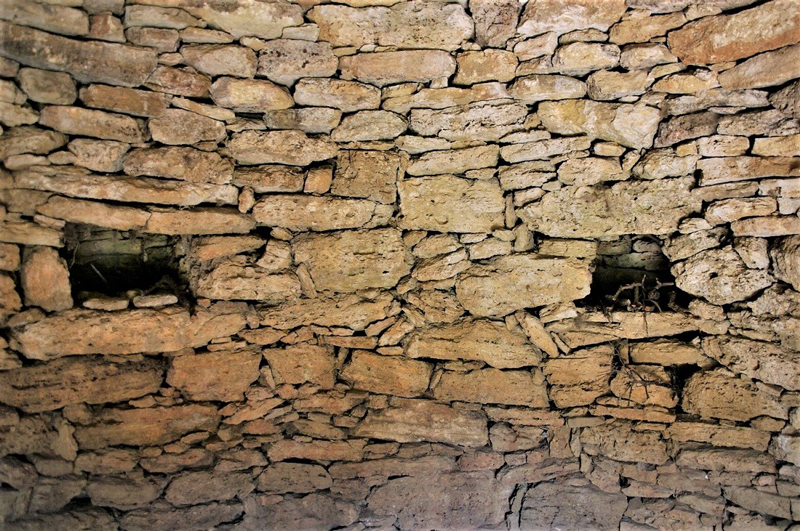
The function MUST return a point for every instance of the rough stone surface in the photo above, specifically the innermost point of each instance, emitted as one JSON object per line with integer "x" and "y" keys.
{"x": 387, "y": 68}
{"x": 221, "y": 376}
{"x": 45, "y": 280}
{"x": 279, "y": 147}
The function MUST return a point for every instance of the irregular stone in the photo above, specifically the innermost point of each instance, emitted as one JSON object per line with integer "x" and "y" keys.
{"x": 125, "y": 100}
{"x": 26, "y": 233}
{"x": 476, "y": 340}
{"x": 235, "y": 279}
{"x": 495, "y": 21}
{"x": 732, "y": 209}
{"x": 571, "y": 505}
{"x": 133, "y": 189}
{"x": 579, "y": 58}
{"x": 203, "y": 220}
{"x": 402, "y": 25}
{"x": 389, "y": 375}
{"x": 454, "y": 161}
{"x": 757, "y": 360}
{"x": 45, "y": 280}
{"x": 486, "y": 65}
{"x": 687, "y": 83}
{"x": 731, "y": 37}
{"x": 464, "y": 500}
{"x": 767, "y": 227}
{"x": 510, "y": 283}
{"x": 354, "y": 260}
{"x": 720, "y": 276}
{"x": 179, "y": 81}
{"x": 193, "y": 488}
{"x": 270, "y": 178}
{"x": 351, "y": 311}
{"x": 716, "y": 395}
{"x": 760, "y": 502}
{"x": 302, "y": 212}
{"x": 409, "y": 420}
{"x": 29, "y": 139}
{"x": 716, "y": 97}
{"x": 98, "y": 155}
{"x": 387, "y": 68}
{"x": 785, "y": 256}
{"x": 158, "y": 17}
{"x": 645, "y": 385}
{"x": 164, "y": 517}
{"x": 163, "y": 40}
{"x": 315, "y": 512}
{"x": 643, "y": 29}
{"x": 451, "y": 204}
{"x": 53, "y": 18}
{"x": 97, "y": 124}
{"x": 777, "y": 146}
{"x": 645, "y": 56}
{"x": 317, "y": 450}
{"x": 306, "y": 119}
{"x": 638, "y": 207}
{"x": 541, "y": 16}
{"x": 520, "y": 176}
{"x": 733, "y": 169}
{"x": 476, "y": 122}
{"x": 249, "y": 95}
{"x": 630, "y": 125}
{"x": 145, "y": 426}
{"x": 441, "y": 98}
{"x": 347, "y": 96}
{"x": 591, "y": 170}
{"x": 301, "y": 478}
{"x": 686, "y": 245}
{"x": 222, "y": 376}
{"x": 280, "y": 147}
{"x": 490, "y": 386}
{"x": 724, "y": 436}
{"x": 786, "y": 448}
{"x": 284, "y": 61}
{"x": 580, "y": 377}
{"x": 369, "y": 125}
{"x": 725, "y": 460}
{"x": 123, "y": 493}
{"x": 75, "y": 380}
{"x": 182, "y": 163}
{"x": 176, "y": 126}
{"x": 220, "y": 59}
{"x": 370, "y": 175}
{"x": 56, "y": 88}
{"x": 660, "y": 163}
{"x": 145, "y": 331}
{"x": 607, "y": 85}
{"x": 764, "y": 70}
{"x": 297, "y": 364}
{"x": 87, "y": 61}
{"x": 619, "y": 440}
{"x": 532, "y": 89}
{"x": 787, "y": 100}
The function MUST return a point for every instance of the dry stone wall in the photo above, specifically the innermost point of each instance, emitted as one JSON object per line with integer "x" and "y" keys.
{"x": 387, "y": 264}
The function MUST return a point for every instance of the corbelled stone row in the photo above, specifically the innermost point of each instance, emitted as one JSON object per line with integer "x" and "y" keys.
{"x": 639, "y": 207}
{"x": 405, "y": 25}
{"x": 475, "y": 340}
{"x": 90, "y": 379}
{"x": 354, "y": 260}
{"x": 87, "y": 61}
{"x": 146, "y": 331}
{"x": 386, "y": 68}
{"x": 509, "y": 283}
{"x": 451, "y": 204}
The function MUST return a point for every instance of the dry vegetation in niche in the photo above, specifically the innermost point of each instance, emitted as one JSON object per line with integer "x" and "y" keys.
{"x": 400, "y": 265}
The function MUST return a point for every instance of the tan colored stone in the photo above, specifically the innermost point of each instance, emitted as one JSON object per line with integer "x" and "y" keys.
{"x": 387, "y": 68}
{"x": 220, "y": 59}
{"x": 580, "y": 377}
{"x": 630, "y": 125}
{"x": 478, "y": 340}
{"x": 734, "y": 169}
{"x": 666, "y": 352}
{"x": 728, "y": 210}
{"x": 236, "y": 279}
{"x": 525, "y": 176}
{"x": 158, "y": 17}
{"x": 47, "y": 87}
{"x": 758, "y": 360}
{"x": 179, "y": 81}
{"x": 280, "y": 147}
{"x": 445, "y": 97}
{"x": 87, "y": 61}
{"x": 760, "y": 502}
{"x": 347, "y": 96}
{"x": 620, "y": 441}
{"x": 476, "y": 122}
{"x": 725, "y": 460}
{"x": 731, "y": 37}
{"x": 97, "y": 124}
{"x": 301, "y": 212}
{"x": 787, "y": 100}
{"x": 125, "y": 100}
{"x": 98, "y": 155}
{"x": 720, "y": 276}
{"x": 451, "y": 204}
{"x": 222, "y": 376}
{"x": 45, "y": 280}
{"x": 495, "y": 21}
{"x": 785, "y": 256}
{"x": 643, "y": 29}
{"x": 29, "y": 139}
{"x": 571, "y": 504}
{"x": 75, "y": 332}
{"x": 781, "y": 146}
{"x": 202, "y": 220}
{"x": 353, "y": 260}
{"x": 725, "y": 436}
{"x": 644, "y": 384}
{"x": 491, "y": 386}
{"x": 53, "y": 18}
{"x": 716, "y": 395}
{"x": 424, "y": 420}
{"x": 194, "y": 488}
{"x": 370, "y": 175}
{"x": 454, "y": 161}
{"x": 76, "y": 380}
{"x": 532, "y": 89}
{"x": 163, "y": 516}
{"x": 541, "y": 16}
{"x": 285, "y": 61}
{"x": 387, "y": 374}
{"x": 123, "y": 493}
{"x": 269, "y": 178}
{"x": 176, "y": 126}
{"x": 27, "y": 233}
{"x": 369, "y": 125}
{"x": 591, "y": 170}
{"x": 294, "y": 477}
{"x": 182, "y": 163}
{"x": 486, "y": 65}
{"x": 351, "y": 311}
{"x": 607, "y": 85}
{"x": 764, "y": 70}
{"x": 403, "y": 25}
{"x": 249, "y": 95}
{"x": 297, "y": 364}
{"x": 510, "y": 283}
{"x": 579, "y": 58}
{"x": 767, "y": 227}
{"x": 145, "y": 426}
{"x": 306, "y": 119}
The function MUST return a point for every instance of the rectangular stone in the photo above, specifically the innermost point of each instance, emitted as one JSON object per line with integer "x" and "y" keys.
{"x": 270, "y": 178}
{"x": 125, "y": 100}
{"x": 95, "y": 213}
{"x": 491, "y": 386}
{"x": 409, "y": 421}
{"x": 297, "y": 364}
{"x": 351, "y": 311}
{"x": 202, "y": 220}
{"x": 87, "y": 61}
{"x": 389, "y": 375}
{"x": 733, "y": 169}
{"x": 97, "y": 124}
{"x": 235, "y": 279}
{"x": 370, "y": 175}
{"x": 387, "y": 68}
{"x": 305, "y": 212}
{"x": 451, "y": 204}
{"x": 454, "y": 161}
{"x": 726, "y": 436}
